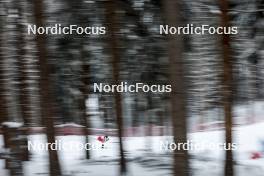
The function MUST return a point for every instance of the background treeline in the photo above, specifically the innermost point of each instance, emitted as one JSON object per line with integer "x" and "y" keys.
{"x": 47, "y": 79}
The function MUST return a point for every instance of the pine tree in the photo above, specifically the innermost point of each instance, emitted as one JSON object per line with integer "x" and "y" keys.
{"x": 178, "y": 94}
{"x": 227, "y": 87}
{"x": 112, "y": 23}
{"x": 47, "y": 109}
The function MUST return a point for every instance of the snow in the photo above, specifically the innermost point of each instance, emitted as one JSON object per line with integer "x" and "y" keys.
{"x": 12, "y": 124}
{"x": 145, "y": 155}
{"x": 69, "y": 124}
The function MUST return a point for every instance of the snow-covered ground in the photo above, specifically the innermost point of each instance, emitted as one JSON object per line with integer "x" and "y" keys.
{"x": 148, "y": 156}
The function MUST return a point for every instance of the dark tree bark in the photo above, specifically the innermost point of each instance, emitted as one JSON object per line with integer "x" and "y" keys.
{"x": 23, "y": 94}
{"x": 85, "y": 92}
{"x": 227, "y": 87}
{"x": 3, "y": 102}
{"x": 178, "y": 94}
{"x": 160, "y": 116}
{"x": 112, "y": 24}
{"x": 46, "y": 97}
{"x": 13, "y": 161}
{"x": 3, "y": 108}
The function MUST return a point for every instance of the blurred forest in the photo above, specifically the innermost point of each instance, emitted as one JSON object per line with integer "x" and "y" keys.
{"x": 46, "y": 81}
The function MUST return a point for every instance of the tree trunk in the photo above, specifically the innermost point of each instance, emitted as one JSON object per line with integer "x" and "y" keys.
{"x": 23, "y": 94}
{"x": 85, "y": 91}
{"x": 3, "y": 108}
{"x": 111, "y": 20}
{"x": 3, "y": 102}
{"x": 178, "y": 94}
{"x": 46, "y": 97}
{"x": 227, "y": 87}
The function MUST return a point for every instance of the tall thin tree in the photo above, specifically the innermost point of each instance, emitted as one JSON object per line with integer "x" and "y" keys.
{"x": 46, "y": 97}
{"x": 177, "y": 80}
{"x": 227, "y": 86}
{"x": 112, "y": 24}
{"x": 3, "y": 102}
{"x": 3, "y": 108}
{"x": 84, "y": 88}
{"x": 23, "y": 94}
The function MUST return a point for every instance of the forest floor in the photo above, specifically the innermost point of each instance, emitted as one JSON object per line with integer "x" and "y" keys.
{"x": 148, "y": 156}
